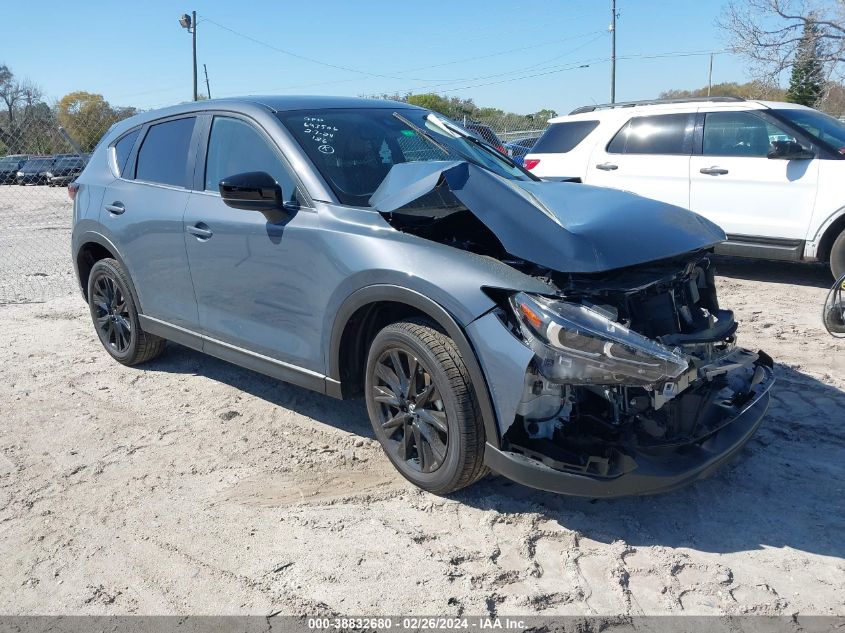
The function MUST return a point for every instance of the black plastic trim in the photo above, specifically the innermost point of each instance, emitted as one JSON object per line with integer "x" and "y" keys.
{"x": 652, "y": 475}
{"x": 91, "y": 237}
{"x": 762, "y": 247}
{"x": 398, "y": 294}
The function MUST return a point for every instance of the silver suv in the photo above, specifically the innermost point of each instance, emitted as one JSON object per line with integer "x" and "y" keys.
{"x": 565, "y": 336}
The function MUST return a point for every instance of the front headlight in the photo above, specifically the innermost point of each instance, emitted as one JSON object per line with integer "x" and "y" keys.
{"x": 580, "y": 346}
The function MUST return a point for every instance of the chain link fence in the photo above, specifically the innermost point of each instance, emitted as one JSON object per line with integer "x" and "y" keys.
{"x": 42, "y": 150}
{"x": 39, "y": 157}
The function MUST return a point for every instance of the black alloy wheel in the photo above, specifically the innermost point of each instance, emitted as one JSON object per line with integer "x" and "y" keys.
{"x": 410, "y": 410}
{"x": 112, "y": 316}
{"x": 115, "y": 315}
{"x": 423, "y": 407}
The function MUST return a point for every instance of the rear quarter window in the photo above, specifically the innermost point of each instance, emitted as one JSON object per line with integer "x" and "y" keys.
{"x": 122, "y": 150}
{"x": 560, "y": 138}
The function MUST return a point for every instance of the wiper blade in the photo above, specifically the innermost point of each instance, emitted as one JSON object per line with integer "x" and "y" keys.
{"x": 424, "y": 134}
{"x": 475, "y": 140}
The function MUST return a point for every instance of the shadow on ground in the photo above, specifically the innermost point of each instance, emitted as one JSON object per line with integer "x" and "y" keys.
{"x": 785, "y": 489}
{"x": 813, "y": 275}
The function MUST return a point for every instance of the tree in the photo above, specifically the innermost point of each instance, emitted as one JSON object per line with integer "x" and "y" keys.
{"x": 86, "y": 117}
{"x": 19, "y": 98}
{"x": 750, "y": 90}
{"x": 769, "y": 33}
{"x": 807, "y": 83}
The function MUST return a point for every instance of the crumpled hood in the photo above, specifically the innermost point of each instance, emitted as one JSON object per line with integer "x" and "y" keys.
{"x": 567, "y": 227}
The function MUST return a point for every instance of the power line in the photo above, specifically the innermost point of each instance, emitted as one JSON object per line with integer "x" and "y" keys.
{"x": 395, "y": 76}
{"x": 592, "y": 62}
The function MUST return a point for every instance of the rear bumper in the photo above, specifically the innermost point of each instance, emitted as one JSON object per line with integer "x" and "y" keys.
{"x": 652, "y": 474}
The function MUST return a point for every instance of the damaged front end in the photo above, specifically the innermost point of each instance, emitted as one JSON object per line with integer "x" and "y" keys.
{"x": 623, "y": 375}
{"x": 634, "y": 376}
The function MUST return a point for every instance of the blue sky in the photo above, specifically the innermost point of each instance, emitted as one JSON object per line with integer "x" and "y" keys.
{"x": 137, "y": 54}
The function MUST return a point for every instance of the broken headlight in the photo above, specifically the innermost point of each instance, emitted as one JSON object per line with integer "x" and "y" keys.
{"x": 579, "y": 345}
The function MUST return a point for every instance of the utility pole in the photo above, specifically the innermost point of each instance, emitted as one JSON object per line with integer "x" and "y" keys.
{"x": 207, "y": 85}
{"x": 190, "y": 22}
{"x": 710, "y": 76}
{"x": 194, "y": 38}
{"x": 613, "y": 52}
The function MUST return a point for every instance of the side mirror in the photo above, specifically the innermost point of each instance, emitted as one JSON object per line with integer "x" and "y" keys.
{"x": 789, "y": 150}
{"x": 252, "y": 191}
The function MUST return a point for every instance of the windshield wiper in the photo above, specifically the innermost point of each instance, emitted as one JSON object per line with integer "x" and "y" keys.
{"x": 424, "y": 134}
{"x": 477, "y": 142}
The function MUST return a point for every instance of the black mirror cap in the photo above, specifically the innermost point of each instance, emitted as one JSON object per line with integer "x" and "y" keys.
{"x": 252, "y": 191}
{"x": 789, "y": 150}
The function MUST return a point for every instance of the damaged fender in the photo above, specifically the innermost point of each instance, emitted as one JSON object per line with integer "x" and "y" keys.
{"x": 567, "y": 227}
{"x": 502, "y": 356}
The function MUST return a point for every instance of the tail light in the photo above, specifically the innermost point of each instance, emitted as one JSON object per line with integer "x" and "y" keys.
{"x": 72, "y": 188}
{"x": 502, "y": 149}
{"x": 531, "y": 163}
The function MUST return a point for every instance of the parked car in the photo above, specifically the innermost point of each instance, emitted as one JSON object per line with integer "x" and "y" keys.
{"x": 768, "y": 173}
{"x": 486, "y": 134}
{"x": 64, "y": 169}
{"x": 9, "y": 166}
{"x": 33, "y": 171}
{"x": 568, "y": 337}
{"x": 518, "y": 148}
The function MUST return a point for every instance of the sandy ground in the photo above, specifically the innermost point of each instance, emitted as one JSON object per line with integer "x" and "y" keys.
{"x": 191, "y": 486}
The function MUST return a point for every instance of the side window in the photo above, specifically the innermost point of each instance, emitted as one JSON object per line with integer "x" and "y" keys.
{"x": 560, "y": 138}
{"x": 740, "y": 134}
{"x": 122, "y": 149}
{"x": 235, "y": 147}
{"x": 659, "y": 134}
{"x": 163, "y": 157}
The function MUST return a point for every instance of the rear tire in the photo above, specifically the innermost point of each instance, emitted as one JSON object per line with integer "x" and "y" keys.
{"x": 115, "y": 315}
{"x": 837, "y": 256}
{"x": 425, "y": 413}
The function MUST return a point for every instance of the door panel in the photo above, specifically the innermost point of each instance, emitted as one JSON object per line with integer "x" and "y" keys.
{"x": 649, "y": 156}
{"x": 143, "y": 211}
{"x": 250, "y": 270}
{"x": 733, "y": 183}
{"x": 246, "y": 271}
{"x": 149, "y": 232}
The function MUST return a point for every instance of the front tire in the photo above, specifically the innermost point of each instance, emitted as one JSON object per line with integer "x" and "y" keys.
{"x": 423, "y": 408}
{"x": 115, "y": 315}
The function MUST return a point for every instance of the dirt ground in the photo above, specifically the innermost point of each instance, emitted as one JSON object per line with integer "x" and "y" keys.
{"x": 191, "y": 486}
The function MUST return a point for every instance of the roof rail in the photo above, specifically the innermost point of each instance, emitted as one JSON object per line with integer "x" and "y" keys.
{"x": 631, "y": 104}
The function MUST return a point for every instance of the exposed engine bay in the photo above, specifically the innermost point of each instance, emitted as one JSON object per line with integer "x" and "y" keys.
{"x": 597, "y": 427}
{"x": 638, "y": 360}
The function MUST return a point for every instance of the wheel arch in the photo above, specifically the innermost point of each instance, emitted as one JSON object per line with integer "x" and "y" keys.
{"x": 369, "y": 309}
{"x": 829, "y": 235}
{"x": 92, "y": 248}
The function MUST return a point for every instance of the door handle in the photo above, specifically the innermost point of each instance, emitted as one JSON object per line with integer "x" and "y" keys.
{"x": 607, "y": 166}
{"x": 115, "y": 208}
{"x": 713, "y": 171}
{"x": 200, "y": 230}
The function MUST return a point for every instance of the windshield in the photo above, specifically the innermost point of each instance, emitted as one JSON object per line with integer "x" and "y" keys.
{"x": 9, "y": 162}
{"x": 354, "y": 149}
{"x": 819, "y": 125}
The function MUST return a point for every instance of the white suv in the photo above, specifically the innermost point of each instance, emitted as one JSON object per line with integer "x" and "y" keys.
{"x": 770, "y": 174}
